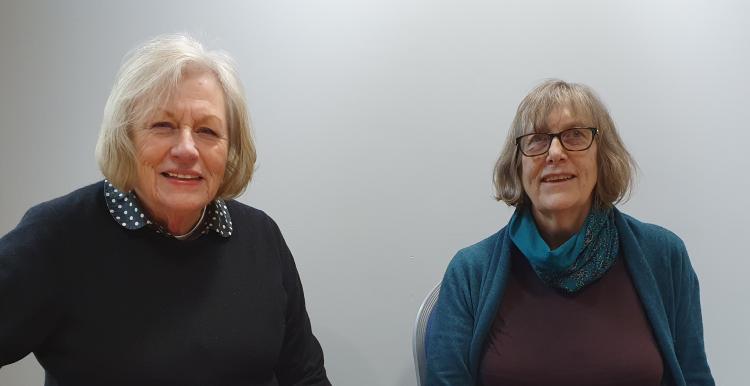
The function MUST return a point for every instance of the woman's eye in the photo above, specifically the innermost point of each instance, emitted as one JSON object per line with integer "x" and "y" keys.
{"x": 162, "y": 125}
{"x": 536, "y": 139}
{"x": 207, "y": 130}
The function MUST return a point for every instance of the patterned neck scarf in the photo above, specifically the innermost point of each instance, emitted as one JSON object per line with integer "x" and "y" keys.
{"x": 578, "y": 262}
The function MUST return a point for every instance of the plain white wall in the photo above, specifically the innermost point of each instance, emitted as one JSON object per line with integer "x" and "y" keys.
{"x": 378, "y": 123}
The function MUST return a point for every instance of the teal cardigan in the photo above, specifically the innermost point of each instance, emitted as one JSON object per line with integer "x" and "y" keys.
{"x": 656, "y": 258}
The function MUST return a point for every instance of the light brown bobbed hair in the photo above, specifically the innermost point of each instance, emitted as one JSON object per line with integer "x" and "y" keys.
{"x": 616, "y": 168}
{"x": 147, "y": 79}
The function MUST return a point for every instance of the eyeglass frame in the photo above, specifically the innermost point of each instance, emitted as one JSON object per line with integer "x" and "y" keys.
{"x": 552, "y": 136}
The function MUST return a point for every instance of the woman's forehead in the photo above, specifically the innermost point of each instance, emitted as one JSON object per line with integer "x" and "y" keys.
{"x": 561, "y": 116}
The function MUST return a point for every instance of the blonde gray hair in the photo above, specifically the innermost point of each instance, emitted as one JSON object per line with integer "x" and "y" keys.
{"x": 616, "y": 168}
{"x": 146, "y": 79}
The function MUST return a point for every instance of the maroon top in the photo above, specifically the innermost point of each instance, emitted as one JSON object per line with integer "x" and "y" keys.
{"x": 598, "y": 336}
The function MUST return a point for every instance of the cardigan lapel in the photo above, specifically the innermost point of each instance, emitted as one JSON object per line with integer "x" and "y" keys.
{"x": 491, "y": 293}
{"x": 650, "y": 295}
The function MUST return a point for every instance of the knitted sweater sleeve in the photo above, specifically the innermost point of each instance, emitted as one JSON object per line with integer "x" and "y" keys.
{"x": 301, "y": 358}
{"x": 688, "y": 336}
{"x": 451, "y": 327}
{"x": 28, "y": 287}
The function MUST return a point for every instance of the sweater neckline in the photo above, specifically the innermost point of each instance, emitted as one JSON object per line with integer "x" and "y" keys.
{"x": 127, "y": 212}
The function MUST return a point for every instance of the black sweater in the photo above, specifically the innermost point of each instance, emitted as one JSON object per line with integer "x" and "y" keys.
{"x": 99, "y": 304}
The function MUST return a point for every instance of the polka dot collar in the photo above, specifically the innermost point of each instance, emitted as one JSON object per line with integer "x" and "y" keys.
{"x": 127, "y": 212}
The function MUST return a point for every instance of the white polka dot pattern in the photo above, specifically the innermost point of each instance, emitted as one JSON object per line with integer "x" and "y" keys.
{"x": 215, "y": 218}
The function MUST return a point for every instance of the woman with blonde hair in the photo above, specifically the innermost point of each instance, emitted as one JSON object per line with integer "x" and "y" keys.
{"x": 155, "y": 275}
{"x": 572, "y": 291}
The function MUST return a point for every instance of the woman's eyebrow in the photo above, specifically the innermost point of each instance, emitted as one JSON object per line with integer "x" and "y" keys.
{"x": 200, "y": 117}
{"x": 545, "y": 129}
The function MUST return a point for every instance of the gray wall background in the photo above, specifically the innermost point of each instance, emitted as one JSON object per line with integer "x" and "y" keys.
{"x": 378, "y": 122}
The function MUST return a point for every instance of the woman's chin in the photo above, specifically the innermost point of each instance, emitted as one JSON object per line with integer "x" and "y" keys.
{"x": 562, "y": 205}
{"x": 187, "y": 207}
{"x": 183, "y": 204}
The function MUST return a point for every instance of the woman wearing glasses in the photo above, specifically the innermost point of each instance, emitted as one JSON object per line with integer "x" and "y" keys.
{"x": 572, "y": 291}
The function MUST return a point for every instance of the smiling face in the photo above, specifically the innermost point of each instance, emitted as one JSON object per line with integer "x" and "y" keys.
{"x": 181, "y": 150}
{"x": 560, "y": 182}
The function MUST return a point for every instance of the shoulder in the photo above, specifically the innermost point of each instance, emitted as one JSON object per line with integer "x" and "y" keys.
{"x": 255, "y": 223}
{"x": 237, "y": 208}
{"x": 70, "y": 207}
{"x": 477, "y": 257}
{"x": 652, "y": 237}
{"x": 660, "y": 248}
{"x": 49, "y": 221}
{"x": 64, "y": 208}
{"x": 249, "y": 216}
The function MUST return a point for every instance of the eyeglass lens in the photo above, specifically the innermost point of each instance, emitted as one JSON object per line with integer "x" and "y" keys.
{"x": 571, "y": 139}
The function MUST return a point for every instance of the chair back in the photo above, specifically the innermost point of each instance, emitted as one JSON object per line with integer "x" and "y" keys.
{"x": 420, "y": 330}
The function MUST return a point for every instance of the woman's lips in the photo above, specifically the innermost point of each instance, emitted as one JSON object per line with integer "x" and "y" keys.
{"x": 186, "y": 177}
{"x": 182, "y": 178}
{"x": 557, "y": 178}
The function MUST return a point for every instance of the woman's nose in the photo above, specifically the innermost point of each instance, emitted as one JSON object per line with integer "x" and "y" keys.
{"x": 556, "y": 150}
{"x": 185, "y": 149}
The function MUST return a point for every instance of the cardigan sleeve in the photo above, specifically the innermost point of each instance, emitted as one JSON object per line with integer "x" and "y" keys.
{"x": 689, "y": 348}
{"x": 451, "y": 328}
{"x": 301, "y": 358}
{"x": 28, "y": 288}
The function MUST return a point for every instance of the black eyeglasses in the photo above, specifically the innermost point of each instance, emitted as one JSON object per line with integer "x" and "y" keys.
{"x": 573, "y": 139}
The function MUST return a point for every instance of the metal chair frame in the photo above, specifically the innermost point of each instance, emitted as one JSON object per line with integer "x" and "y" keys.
{"x": 420, "y": 330}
